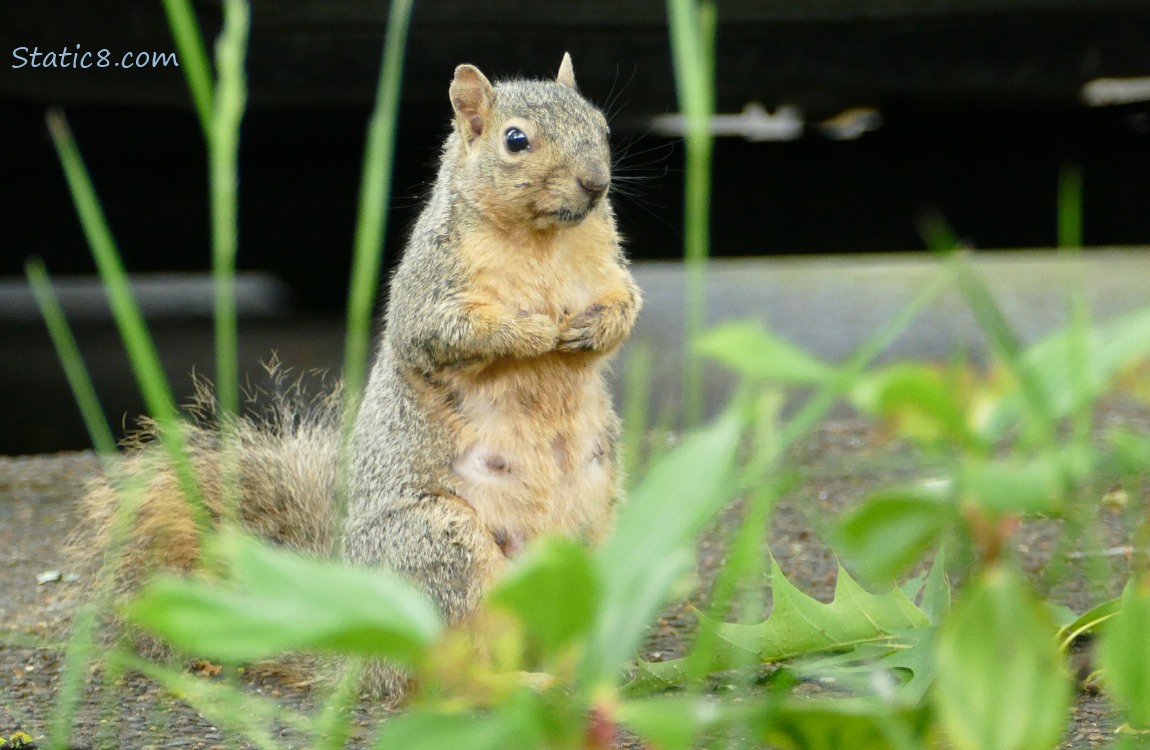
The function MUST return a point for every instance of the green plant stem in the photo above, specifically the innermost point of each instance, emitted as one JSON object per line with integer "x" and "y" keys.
{"x": 375, "y": 187}
{"x": 193, "y": 58}
{"x": 693, "y": 52}
{"x": 141, "y": 350}
{"x": 636, "y": 408}
{"x": 223, "y": 156}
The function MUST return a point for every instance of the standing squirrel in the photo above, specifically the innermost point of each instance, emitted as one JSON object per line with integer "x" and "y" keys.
{"x": 486, "y": 420}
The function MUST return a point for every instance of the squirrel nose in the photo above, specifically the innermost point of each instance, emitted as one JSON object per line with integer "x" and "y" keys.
{"x": 595, "y": 185}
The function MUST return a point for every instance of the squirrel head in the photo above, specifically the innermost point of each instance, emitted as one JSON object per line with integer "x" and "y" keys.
{"x": 530, "y": 153}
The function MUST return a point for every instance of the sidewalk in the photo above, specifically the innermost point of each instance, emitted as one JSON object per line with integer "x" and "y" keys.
{"x": 826, "y": 305}
{"x": 831, "y": 305}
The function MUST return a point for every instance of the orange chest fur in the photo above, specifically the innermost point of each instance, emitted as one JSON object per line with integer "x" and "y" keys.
{"x": 556, "y": 275}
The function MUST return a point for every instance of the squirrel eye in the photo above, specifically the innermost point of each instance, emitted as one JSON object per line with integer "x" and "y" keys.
{"x": 516, "y": 140}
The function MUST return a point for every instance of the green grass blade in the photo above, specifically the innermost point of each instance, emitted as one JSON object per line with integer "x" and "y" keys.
{"x": 1004, "y": 343}
{"x": 69, "y": 354}
{"x": 375, "y": 187}
{"x": 141, "y": 350}
{"x": 193, "y": 58}
{"x": 813, "y": 411}
{"x": 223, "y": 155}
{"x": 640, "y": 561}
{"x": 254, "y": 717}
{"x": 692, "y": 28}
{"x": 80, "y": 648}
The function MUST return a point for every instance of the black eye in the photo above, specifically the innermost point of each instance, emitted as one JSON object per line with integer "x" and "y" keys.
{"x": 607, "y": 130}
{"x": 516, "y": 140}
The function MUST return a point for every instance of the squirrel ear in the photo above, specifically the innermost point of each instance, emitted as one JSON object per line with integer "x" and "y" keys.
{"x": 471, "y": 97}
{"x": 566, "y": 71}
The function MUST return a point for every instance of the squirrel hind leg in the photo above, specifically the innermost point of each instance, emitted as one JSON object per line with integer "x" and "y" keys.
{"x": 436, "y": 542}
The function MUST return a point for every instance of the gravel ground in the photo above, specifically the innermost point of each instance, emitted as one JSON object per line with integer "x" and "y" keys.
{"x": 841, "y": 462}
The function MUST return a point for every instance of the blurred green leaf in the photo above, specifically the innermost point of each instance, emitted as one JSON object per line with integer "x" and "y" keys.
{"x": 256, "y": 717}
{"x": 1123, "y": 653}
{"x": 1033, "y": 486}
{"x": 515, "y": 723}
{"x": 917, "y": 399}
{"x": 753, "y": 351}
{"x": 276, "y": 601}
{"x": 673, "y": 722}
{"x": 891, "y": 530}
{"x": 553, "y": 591}
{"x": 1131, "y": 451}
{"x": 1109, "y": 348}
{"x": 835, "y": 724}
{"x": 936, "y": 589}
{"x": 1088, "y": 622}
{"x": 679, "y": 722}
{"x": 652, "y": 544}
{"x": 1002, "y": 683}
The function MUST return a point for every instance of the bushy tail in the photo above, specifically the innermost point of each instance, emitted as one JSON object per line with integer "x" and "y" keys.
{"x": 287, "y": 456}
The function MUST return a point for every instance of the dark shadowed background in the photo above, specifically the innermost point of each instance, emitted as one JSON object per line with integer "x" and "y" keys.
{"x": 975, "y": 107}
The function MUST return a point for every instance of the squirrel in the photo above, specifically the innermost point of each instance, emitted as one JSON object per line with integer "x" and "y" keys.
{"x": 486, "y": 421}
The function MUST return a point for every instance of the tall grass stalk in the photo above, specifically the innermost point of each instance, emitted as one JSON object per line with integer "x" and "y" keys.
{"x": 371, "y": 222}
{"x": 1079, "y": 527}
{"x": 81, "y": 643}
{"x": 693, "y": 54}
{"x": 193, "y": 58}
{"x": 138, "y": 342}
{"x": 81, "y": 649}
{"x": 223, "y": 156}
{"x": 1070, "y": 243}
{"x": 636, "y": 408}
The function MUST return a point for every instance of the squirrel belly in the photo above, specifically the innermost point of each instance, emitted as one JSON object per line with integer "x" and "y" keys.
{"x": 533, "y": 461}
{"x": 535, "y": 437}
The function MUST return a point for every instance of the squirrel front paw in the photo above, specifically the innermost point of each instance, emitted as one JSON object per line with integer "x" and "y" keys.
{"x": 533, "y": 335}
{"x": 583, "y": 332}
